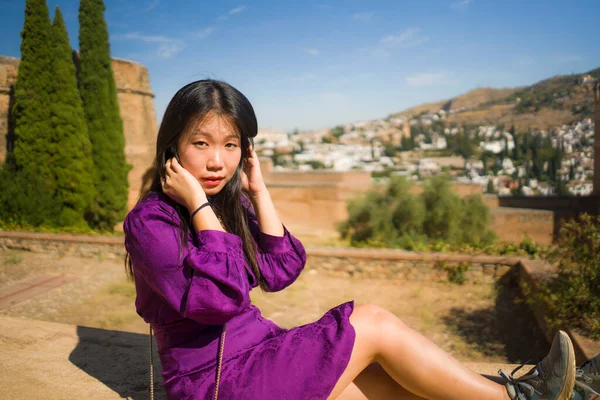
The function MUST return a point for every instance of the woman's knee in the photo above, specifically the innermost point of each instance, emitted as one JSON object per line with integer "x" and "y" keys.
{"x": 370, "y": 321}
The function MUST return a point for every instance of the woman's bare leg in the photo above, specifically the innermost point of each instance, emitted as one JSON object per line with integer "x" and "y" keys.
{"x": 414, "y": 362}
{"x": 373, "y": 383}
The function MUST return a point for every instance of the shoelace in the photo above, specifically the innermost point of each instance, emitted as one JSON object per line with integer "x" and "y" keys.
{"x": 519, "y": 384}
{"x": 579, "y": 374}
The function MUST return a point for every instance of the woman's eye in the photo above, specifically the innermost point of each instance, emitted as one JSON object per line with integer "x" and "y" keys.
{"x": 231, "y": 145}
{"x": 200, "y": 143}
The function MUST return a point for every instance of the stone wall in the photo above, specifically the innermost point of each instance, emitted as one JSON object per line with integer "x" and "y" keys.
{"x": 398, "y": 264}
{"x": 8, "y": 76}
{"x": 137, "y": 111}
{"x": 514, "y": 224}
{"x": 313, "y": 208}
{"x": 345, "y": 262}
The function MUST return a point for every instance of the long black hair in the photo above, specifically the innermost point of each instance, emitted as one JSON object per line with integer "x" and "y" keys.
{"x": 185, "y": 111}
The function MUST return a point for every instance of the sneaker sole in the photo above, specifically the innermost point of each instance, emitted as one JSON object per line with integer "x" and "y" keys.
{"x": 567, "y": 389}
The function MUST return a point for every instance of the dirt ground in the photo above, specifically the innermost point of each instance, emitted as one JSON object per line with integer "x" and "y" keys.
{"x": 482, "y": 323}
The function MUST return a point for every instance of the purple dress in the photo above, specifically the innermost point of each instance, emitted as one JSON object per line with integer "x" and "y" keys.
{"x": 188, "y": 294}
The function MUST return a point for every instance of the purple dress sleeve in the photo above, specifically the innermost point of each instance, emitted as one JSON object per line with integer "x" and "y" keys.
{"x": 281, "y": 259}
{"x": 206, "y": 283}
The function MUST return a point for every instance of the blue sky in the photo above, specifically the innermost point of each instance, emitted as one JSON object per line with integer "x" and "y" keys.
{"x": 310, "y": 65}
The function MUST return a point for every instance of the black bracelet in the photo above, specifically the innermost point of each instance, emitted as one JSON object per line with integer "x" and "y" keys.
{"x": 198, "y": 209}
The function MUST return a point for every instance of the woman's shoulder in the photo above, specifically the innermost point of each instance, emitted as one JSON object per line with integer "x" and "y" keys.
{"x": 154, "y": 203}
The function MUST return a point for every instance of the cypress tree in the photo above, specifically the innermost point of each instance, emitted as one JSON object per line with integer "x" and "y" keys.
{"x": 101, "y": 108}
{"x": 72, "y": 165}
{"x": 31, "y": 159}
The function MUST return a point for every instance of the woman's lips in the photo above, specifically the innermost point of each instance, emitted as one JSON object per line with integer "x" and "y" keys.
{"x": 212, "y": 182}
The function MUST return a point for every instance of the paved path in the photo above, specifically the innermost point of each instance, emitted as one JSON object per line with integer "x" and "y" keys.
{"x": 30, "y": 288}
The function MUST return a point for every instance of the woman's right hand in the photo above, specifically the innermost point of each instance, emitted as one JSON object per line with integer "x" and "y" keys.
{"x": 181, "y": 186}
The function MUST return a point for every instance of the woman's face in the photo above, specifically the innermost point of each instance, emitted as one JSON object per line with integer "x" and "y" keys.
{"x": 211, "y": 153}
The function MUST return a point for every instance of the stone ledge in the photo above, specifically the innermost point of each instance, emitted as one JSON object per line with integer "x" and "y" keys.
{"x": 62, "y": 237}
{"x": 379, "y": 254}
{"x": 393, "y": 254}
{"x": 531, "y": 272}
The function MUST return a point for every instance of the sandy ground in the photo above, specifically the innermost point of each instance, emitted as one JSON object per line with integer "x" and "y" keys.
{"x": 480, "y": 323}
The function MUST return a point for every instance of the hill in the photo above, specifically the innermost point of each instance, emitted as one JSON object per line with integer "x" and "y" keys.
{"x": 546, "y": 104}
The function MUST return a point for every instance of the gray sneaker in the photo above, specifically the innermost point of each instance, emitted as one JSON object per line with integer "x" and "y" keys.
{"x": 552, "y": 378}
{"x": 587, "y": 380}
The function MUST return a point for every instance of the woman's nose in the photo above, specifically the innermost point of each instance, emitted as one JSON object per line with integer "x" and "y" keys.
{"x": 215, "y": 160}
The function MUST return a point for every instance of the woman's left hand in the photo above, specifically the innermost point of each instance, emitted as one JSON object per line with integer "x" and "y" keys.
{"x": 252, "y": 179}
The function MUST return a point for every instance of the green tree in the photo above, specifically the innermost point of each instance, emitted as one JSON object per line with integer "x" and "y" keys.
{"x": 72, "y": 164}
{"x": 25, "y": 199}
{"x": 490, "y": 187}
{"x": 31, "y": 155}
{"x": 408, "y": 213}
{"x": 406, "y": 143}
{"x": 391, "y": 217}
{"x": 389, "y": 149}
{"x": 572, "y": 297}
{"x": 337, "y": 131}
{"x": 475, "y": 221}
{"x": 442, "y": 210}
{"x": 105, "y": 127}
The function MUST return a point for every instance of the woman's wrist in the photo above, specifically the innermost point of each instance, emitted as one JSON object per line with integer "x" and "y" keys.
{"x": 197, "y": 202}
{"x": 256, "y": 196}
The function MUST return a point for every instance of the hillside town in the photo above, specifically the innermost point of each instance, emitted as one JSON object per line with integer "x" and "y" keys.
{"x": 422, "y": 146}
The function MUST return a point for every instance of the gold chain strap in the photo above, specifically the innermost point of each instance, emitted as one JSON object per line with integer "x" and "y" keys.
{"x": 151, "y": 368}
{"x": 221, "y": 348}
{"x": 222, "y": 345}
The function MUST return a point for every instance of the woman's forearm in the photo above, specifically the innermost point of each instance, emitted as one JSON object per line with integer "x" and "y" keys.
{"x": 206, "y": 219}
{"x": 268, "y": 220}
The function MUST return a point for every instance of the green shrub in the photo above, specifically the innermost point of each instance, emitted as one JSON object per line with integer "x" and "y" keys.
{"x": 393, "y": 217}
{"x": 456, "y": 273}
{"x": 572, "y": 298}
{"x": 475, "y": 221}
{"x": 443, "y": 210}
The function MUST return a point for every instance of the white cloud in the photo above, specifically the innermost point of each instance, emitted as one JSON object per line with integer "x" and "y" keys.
{"x": 237, "y": 10}
{"x": 363, "y": 17}
{"x": 313, "y": 52}
{"x": 152, "y": 5}
{"x": 408, "y": 38}
{"x": 429, "y": 79}
{"x": 231, "y": 12}
{"x": 168, "y": 50}
{"x": 205, "y": 32}
{"x": 168, "y": 46}
{"x": 460, "y": 4}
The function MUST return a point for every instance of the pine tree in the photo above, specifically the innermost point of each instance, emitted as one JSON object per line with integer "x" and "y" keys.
{"x": 32, "y": 156}
{"x": 72, "y": 164}
{"x": 105, "y": 127}
{"x": 490, "y": 187}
